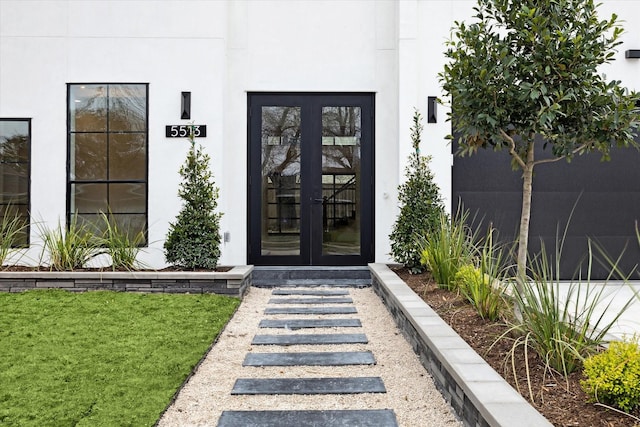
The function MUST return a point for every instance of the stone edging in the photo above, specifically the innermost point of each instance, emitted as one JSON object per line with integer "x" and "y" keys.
{"x": 233, "y": 282}
{"x": 476, "y": 392}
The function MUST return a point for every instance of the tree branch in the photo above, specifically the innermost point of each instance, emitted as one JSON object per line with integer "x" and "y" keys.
{"x": 512, "y": 148}
{"x": 555, "y": 159}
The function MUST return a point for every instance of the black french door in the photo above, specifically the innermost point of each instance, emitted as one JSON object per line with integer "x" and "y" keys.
{"x": 310, "y": 179}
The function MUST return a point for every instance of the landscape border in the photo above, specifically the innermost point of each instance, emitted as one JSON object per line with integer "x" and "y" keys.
{"x": 234, "y": 282}
{"x": 475, "y": 391}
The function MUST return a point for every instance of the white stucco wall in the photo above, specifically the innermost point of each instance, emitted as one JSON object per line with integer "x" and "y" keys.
{"x": 626, "y": 70}
{"x": 220, "y": 51}
{"x": 172, "y": 45}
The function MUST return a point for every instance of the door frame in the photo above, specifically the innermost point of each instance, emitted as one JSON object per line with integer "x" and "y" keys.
{"x": 311, "y": 167}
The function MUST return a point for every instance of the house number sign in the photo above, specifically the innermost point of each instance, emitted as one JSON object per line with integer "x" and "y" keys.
{"x": 182, "y": 131}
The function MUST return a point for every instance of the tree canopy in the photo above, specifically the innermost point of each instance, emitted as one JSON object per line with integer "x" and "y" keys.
{"x": 531, "y": 70}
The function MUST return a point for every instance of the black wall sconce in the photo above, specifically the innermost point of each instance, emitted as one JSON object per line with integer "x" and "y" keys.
{"x": 632, "y": 53}
{"x": 432, "y": 111}
{"x": 185, "y": 105}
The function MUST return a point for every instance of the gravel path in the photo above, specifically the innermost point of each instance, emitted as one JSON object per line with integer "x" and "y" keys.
{"x": 410, "y": 389}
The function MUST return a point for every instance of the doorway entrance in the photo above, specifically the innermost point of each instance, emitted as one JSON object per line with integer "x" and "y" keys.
{"x": 310, "y": 179}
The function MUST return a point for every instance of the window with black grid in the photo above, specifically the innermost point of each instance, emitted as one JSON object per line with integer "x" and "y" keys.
{"x": 108, "y": 155}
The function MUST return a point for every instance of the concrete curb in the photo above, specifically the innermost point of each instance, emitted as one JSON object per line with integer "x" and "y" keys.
{"x": 477, "y": 393}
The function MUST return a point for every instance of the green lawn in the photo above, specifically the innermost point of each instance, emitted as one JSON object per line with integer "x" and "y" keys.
{"x": 100, "y": 358}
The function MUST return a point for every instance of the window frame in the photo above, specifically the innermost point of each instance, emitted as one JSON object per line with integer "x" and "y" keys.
{"x": 107, "y": 180}
{"x": 27, "y": 232}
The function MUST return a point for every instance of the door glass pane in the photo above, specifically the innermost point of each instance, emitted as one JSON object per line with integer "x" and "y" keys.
{"x": 280, "y": 181}
{"x": 341, "y": 136}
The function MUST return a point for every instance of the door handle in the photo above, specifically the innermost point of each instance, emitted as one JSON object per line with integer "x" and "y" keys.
{"x": 318, "y": 200}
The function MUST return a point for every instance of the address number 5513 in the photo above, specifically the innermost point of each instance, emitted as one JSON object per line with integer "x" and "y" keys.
{"x": 182, "y": 131}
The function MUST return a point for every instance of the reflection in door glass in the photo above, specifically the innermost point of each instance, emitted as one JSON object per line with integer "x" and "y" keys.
{"x": 341, "y": 135}
{"x": 280, "y": 181}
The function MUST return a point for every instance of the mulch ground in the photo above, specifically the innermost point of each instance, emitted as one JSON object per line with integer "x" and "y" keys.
{"x": 560, "y": 400}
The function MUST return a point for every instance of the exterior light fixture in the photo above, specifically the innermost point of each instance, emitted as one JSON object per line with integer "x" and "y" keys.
{"x": 632, "y": 53}
{"x": 432, "y": 112}
{"x": 185, "y": 105}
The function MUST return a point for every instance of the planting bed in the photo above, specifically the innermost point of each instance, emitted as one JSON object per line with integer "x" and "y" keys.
{"x": 560, "y": 400}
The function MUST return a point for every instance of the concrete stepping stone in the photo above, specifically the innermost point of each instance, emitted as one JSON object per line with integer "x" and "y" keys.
{"x": 310, "y": 339}
{"x": 310, "y": 359}
{"x": 336, "y": 418}
{"x": 308, "y": 385}
{"x": 310, "y": 310}
{"x": 314, "y": 292}
{"x": 294, "y": 324}
{"x": 328, "y": 300}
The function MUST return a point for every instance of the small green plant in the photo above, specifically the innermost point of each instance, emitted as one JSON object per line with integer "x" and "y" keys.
{"x": 120, "y": 245}
{"x": 420, "y": 205}
{"x": 478, "y": 288}
{"x": 613, "y": 376}
{"x": 12, "y": 234}
{"x": 69, "y": 249}
{"x": 489, "y": 296}
{"x": 447, "y": 248}
{"x": 193, "y": 241}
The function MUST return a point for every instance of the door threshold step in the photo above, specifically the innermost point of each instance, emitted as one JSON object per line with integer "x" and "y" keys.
{"x": 310, "y": 339}
{"x": 271, "y": 386}
{"x": 312, "y": 292}
{"x": 330, "y": 418}
{"x": 340, "y": 358}
{"x": 311, "y": 283}
{"x": 322, "y": 300}
{"x": 310, "y": 310}
{"x": 295, "y": 324}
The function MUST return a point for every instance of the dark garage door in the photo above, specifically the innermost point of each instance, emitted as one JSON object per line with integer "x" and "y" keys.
{"x": 606, "y": 196}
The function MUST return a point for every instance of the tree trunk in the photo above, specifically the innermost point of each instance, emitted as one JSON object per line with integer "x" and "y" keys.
{"x": 525, "y": 217}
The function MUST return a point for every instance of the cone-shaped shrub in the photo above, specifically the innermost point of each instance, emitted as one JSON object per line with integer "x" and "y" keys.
{"x": 193, "y": 241}
{"x": 420, "y": 205}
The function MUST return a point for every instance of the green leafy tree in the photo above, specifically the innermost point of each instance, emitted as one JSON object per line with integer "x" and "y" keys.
{"x": 420, "y": 205}
{"x": 528, "y": 71}
{"x": 193, "y": 241}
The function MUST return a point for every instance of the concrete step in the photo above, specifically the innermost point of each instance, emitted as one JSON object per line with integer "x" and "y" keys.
{"x": 333, "y": 418}
{"x": 308, "y": 385}
{"x": 310, "y": 310}
{"x": 320, "y": 300}
{"x": 338, "y": 358}
{"x": 311, "y": 276}
{"x": 307, "y": 283}
{"x": 310, "y": 339}
{"x": 294, "y": 324}
{"x": 311, "y": 292}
